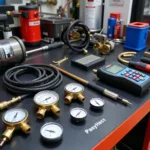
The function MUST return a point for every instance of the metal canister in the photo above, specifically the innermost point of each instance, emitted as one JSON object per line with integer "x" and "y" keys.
{"x": 12, "y": 51}
{"x": 91, "y": 14}
{"x": 111, "y": 27}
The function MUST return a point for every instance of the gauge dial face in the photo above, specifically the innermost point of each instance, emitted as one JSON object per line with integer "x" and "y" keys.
{"x": 46, "y": 98}
{"x": 15, "y": 115}
{"x": 97, "y": 102}
{"x": 74, "y": 88}
{"x": 52, "y": 131}
{"x": 78, "y": 113}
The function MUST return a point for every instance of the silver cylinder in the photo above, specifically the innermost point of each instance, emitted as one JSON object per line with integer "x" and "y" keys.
{"x": 91, "y": 14}
{"x": 12, "y": 51}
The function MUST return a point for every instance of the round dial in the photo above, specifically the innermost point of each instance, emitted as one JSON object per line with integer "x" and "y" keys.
{"x": 78, "y": 114}
{"x": 51, "y": 131}
{"x": 15, "y": 115}
{"x": 97, "y": 103}
{"x": 74, "y": 88}
{"x": 46, "y": 98}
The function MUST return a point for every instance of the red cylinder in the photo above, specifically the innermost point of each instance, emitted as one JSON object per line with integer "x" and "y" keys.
{"x": 117, "y": 31}
{"x": 30, "y": 24}
{"x": 115, "y": 15}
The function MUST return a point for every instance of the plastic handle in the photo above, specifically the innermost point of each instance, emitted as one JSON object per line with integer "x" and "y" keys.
{"x": 55, "y": 45}
{"x": 140, "y": 66}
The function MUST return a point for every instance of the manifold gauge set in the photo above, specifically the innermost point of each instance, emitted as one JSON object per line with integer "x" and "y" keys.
{"x": 47, "y": 101}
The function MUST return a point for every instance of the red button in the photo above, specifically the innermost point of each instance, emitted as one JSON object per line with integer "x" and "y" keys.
{"x": 134, "y": 78}
{"x": 137, "y": 76}
{"x": 127, "y": 74}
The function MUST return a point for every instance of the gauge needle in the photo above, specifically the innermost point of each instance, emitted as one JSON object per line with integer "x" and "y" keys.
{"x": 45, "y": 99}
{"x": 15, "y": 116}
{"x": 51, "y": 131}
{"x": 97, "y": 103}
{"x": 78, "y": 113}
{"x": 74, "y": 88}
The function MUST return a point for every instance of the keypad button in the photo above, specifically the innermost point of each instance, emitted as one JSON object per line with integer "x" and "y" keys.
{"x": 130, "y": 77}
{"x": 133, "y": 71}
{"x": 134, "y": 78}
{"x": 141, "y": 78}
{"x": 143, "y": 75}
{"x": 133, "y": 74}
{"x": 137, "y": 79}
{"x": 137, "y": 75}
{"x": 126, "y": 74}
{"x": 130, "y": 72}
{"x": 137, "y": 72}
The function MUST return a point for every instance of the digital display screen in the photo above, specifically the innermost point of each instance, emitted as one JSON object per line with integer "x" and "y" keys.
{"x": 114, "y": 69}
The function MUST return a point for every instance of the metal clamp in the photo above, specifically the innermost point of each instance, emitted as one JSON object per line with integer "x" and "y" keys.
{"x": 122, "y": 56}
{"x": 60, "y": 61}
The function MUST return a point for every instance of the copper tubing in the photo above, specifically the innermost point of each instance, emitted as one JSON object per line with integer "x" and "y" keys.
{"x": 85, "y": 82}
{"x": 121, "y": 57}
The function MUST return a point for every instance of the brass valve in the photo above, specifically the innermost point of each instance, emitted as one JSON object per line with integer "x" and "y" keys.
{"x": 5, "y": 104}
{"x": 14, "y": 119}
{"x": 104, "y": 47}
{"x": 46, "y": 101}
{"x": 74, "y": 91}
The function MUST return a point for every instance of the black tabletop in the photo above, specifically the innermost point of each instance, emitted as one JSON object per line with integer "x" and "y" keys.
{"x": 83, "y": 136}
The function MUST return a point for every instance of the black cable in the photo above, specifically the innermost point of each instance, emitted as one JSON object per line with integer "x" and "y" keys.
{"x": 46, "y": 77}
{"x": 65, "y": 37}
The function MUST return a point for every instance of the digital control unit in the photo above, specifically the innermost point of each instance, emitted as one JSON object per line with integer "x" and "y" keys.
{"x": 129, "y": 79}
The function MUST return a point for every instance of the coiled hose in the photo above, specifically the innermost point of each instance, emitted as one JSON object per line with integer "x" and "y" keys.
{"x": 46, "y": 77}
{"x": 65, "y": 37}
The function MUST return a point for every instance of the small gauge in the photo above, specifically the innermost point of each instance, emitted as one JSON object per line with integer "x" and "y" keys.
{"x": 51, "y": 132}
{"x": 46, "y": 98}
{"x": 97, "y": 103}
{"x": 15, "y": 115}
{"x": 78, "y": 114}
{"x": 74, "y": 88}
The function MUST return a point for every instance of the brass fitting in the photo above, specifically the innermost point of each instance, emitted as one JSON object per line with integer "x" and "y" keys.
{"x": 55, "y": 110}
{"x": 7, "y": 135}
{"x": 43, "y": 109}
{"x": 103, "y": 48}
{"x": 85, "y": 51}
{"x": 5, "y": 104}
{"x": 81, "y": 97}
{"x": 25, "y": 128}
{"x": 41, "y": 113}
{"x": 95, "y": 71}
{"x": 69, "y": 97}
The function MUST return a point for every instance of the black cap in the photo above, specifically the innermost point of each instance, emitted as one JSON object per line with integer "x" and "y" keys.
{"x": 28, "y": 6}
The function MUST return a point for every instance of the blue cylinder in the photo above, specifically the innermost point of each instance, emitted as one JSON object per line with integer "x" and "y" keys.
{"x": 2, "y": 2}
{"x": 111, "y": 27}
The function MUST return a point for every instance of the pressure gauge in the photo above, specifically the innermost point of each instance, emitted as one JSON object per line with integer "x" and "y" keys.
{"x": 97, "y": 103}
{"x": 78, "y": 114}
{"x": 14, "y": 116}
{"x": 46, "y": 101}
{"x": 74, "y": 91}
{"x": 14, "y": 119}
{"x": 51, "y": 132}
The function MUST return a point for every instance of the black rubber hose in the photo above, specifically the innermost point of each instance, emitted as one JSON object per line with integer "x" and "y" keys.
{"x": 46, "y": 78}
{"x": 65, "y": 37}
